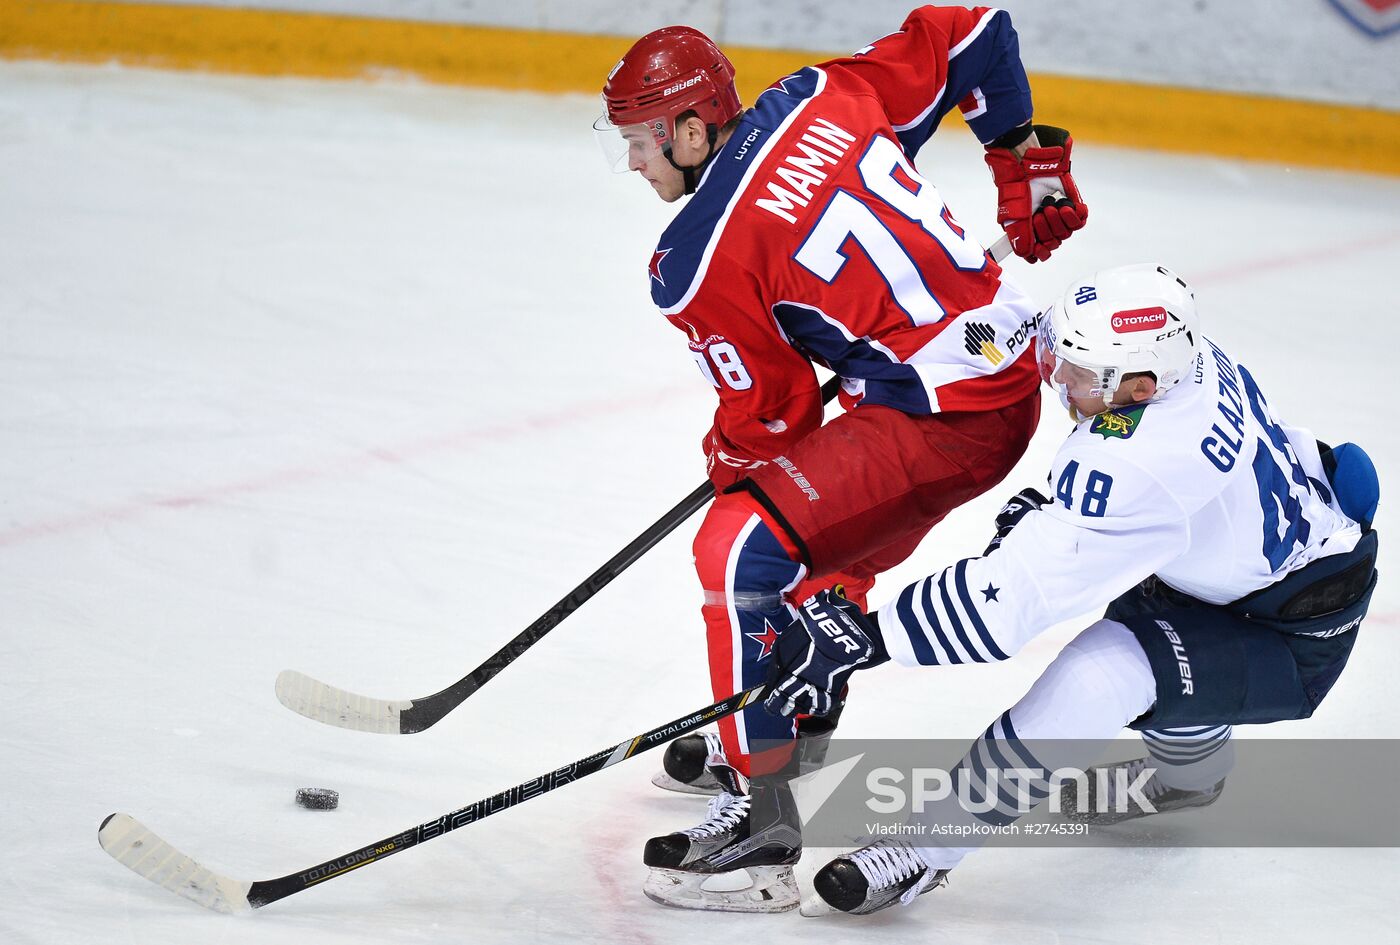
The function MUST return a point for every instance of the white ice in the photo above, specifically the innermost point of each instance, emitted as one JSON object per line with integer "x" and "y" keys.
{"x": 358, "y": 379}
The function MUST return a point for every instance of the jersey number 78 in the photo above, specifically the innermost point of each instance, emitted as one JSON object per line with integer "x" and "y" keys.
{"x": 889, "y": 177}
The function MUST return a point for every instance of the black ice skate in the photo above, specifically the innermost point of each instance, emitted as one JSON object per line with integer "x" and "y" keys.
{"x": 757, "y": 833}
{"x": 1109, "y": 799}
{"x": 875, "y": 877}
{"x": 683, "y": 766}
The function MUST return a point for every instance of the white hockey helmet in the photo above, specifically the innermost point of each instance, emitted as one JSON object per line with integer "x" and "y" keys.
{"x": 1125, "y": 320}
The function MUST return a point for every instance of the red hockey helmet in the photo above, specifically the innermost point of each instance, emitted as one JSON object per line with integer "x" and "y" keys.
{"x": 666, "y": 73}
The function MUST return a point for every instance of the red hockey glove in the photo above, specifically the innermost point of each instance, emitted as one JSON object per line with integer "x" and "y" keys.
{"x": 724, "y": 464}
{"x": 1038, "y": 204}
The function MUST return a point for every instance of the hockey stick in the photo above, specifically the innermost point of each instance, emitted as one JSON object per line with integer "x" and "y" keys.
{"x": 334, "y": 706}
{"x": 325, "y": 703}
{"x": 134, "y": 846}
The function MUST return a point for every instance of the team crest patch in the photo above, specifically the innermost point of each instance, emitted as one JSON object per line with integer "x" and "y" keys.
{"x": 1119, "y": 424}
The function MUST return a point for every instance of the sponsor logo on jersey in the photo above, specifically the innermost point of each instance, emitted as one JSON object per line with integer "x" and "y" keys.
{"x": 1024, "y": 334}
{"x": 696, "y": 343}
{"x": 1119, "y": 424}
{"x": 1139, "y": 319}
{"x": 1375, "y": 17}
{"x": 980, "y": 338}
{"x": 743, "y": 151}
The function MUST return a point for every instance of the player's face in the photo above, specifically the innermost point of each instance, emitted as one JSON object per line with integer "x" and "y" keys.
{"x": 1079, "y": 388}
{"x": 639, "y": 147}
{"x": 644, "y": 155}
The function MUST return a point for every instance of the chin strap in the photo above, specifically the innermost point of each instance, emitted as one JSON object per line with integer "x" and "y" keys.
{"x": 692, "y": 174}
{"x": 1078, "y": 417}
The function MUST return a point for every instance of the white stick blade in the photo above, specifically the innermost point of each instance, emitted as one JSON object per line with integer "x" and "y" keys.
{"x": 133, "y": 845}
{"x": 331, "y": 706}
{"x": 1001, "y": 248}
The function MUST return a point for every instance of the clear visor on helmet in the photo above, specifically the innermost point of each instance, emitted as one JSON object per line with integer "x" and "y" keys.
{"x": 1074, "y": 381}
{"x": 629, "y": 147}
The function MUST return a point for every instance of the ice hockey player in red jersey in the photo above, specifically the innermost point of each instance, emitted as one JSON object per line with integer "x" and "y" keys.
{"x": 811, "y": 238}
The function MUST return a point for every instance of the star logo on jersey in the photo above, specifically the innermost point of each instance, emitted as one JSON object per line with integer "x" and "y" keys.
{"x": 990, "y": 593}
{"x": 654, "y": 270}
{"x": 1118, "y": 424}
{"x": 765, "y": 639}
{"x": 782, "y": 83}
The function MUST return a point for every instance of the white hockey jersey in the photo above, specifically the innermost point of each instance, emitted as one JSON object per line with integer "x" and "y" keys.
{"x": 1203, "y": 488}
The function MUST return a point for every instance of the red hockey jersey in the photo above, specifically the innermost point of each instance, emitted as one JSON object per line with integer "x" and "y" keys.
{"x": 812, "y": 237}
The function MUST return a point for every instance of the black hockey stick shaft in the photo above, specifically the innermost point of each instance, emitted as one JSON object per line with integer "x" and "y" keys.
{"x": 429, "y": 710}
{"x": 265, "y": 891}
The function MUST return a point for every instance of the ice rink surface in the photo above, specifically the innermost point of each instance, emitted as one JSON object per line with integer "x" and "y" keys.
{"x": 358, "y": 379}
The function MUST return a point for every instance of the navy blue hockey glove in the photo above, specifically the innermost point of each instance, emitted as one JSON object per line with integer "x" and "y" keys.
{"x": 816, "y": 654}
{"x": 1015, "y": 509}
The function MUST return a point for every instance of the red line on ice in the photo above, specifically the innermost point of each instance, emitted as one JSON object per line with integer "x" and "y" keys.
{"x": 376, "y": 455}
{"x": 1316, "y": 254}
{"x": 342, "y": 467}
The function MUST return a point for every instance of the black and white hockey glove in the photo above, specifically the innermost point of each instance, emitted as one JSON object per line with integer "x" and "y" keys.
{"x": 1016, "y": 508}
{"x": 816, "y": 654}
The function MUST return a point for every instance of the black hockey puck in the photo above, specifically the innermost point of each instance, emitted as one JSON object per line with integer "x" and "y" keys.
{"x": 318, "y": 798}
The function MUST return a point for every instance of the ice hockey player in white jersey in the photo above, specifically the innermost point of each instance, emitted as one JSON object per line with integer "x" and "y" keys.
{"x": 1235, "y": 554}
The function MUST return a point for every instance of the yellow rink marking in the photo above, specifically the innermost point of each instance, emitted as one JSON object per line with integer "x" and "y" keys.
{"x": 264, "y": 42}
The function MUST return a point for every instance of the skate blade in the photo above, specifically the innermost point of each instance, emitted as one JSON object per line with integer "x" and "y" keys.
{"x": 667, "y": 783}
{"x": 770, "y": 889}
{"x": 813, "y": 905}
